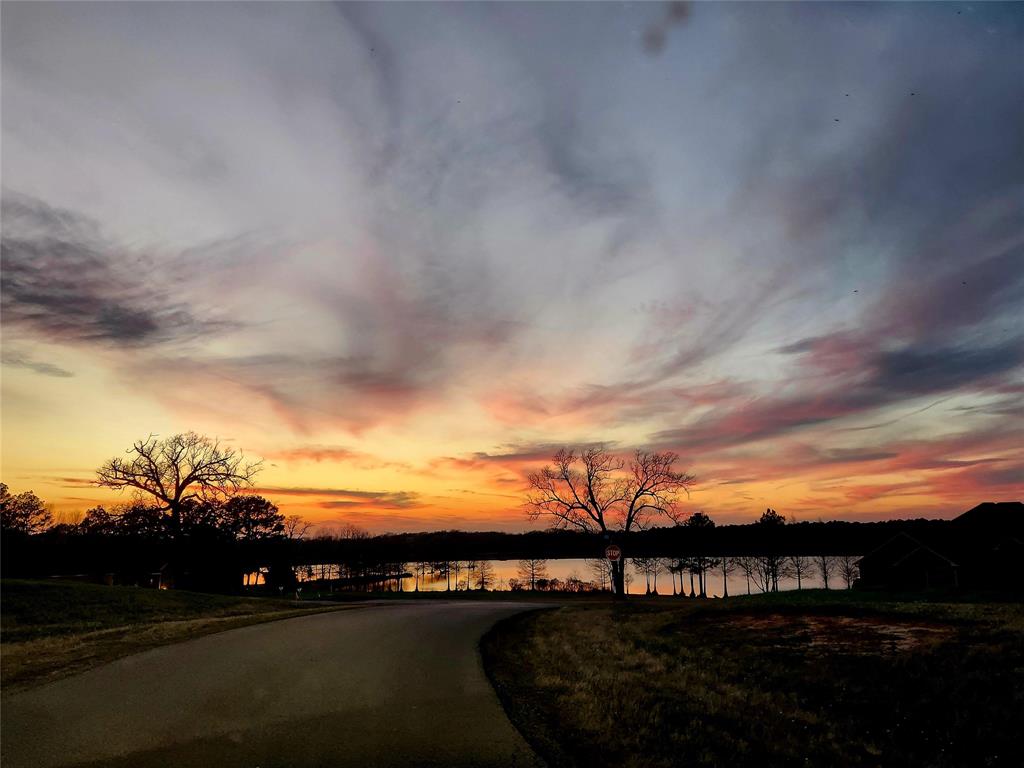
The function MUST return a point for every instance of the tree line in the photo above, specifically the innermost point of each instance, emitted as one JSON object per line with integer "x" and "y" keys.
{"x": 190, "y": 507}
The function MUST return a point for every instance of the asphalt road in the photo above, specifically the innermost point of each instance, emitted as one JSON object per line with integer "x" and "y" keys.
{"x": 394, "y": 685}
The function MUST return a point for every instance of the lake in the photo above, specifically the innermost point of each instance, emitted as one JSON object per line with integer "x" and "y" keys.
{"x": 500, "y": 572}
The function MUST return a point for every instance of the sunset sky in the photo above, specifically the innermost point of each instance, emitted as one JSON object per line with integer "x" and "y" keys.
{"x": 403, "y": 252}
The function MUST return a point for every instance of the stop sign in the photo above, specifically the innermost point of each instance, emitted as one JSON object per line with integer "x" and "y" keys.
{"x": 613, "y": 552}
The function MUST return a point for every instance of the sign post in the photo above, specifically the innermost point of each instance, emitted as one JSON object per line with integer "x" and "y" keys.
{"x": 614, "y": 553}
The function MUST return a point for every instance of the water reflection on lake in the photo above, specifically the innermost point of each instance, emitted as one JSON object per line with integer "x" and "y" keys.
{"x": 636, "y": 582}
{"x": 592, "y": 573}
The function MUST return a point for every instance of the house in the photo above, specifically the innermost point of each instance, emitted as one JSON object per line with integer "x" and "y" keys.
{"x": 981, "y": 549}
{"x": 990, "y": 540}
{"x": 905, "y": 563}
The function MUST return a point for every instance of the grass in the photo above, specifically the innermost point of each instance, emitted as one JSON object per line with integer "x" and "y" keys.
{"x": 784, "y": 680}
{"x": 53, "y": 629}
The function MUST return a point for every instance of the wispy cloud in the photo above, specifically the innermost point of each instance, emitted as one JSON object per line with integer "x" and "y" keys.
{"x": 65, "y": 282}
{"x": 15, "y": 359}
{"x": 782, "y": 239}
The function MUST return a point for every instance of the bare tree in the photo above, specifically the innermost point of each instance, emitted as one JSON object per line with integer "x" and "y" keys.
{"x": 177, "y": 470}
{"x": 651, "y": 568}
{"x": 596, "y": 492}
{"x": 672, "y": 568}
{"x": 446, "y": 568}
{"x": 296, "y": 527}
{"x": 531, "y": 569}
{"x": 456, "y": 569}
{"x": 800, "y": 567}
{"x": 23, "y": 512}
{"x": 484, "y": 575}
{"x": 574, "y": 583}
{"x": 771, "y": 568}
{"x": 746, "y": 566}
{"x": 351, "y": 532}
{"x": 600, "y": 570}
{"x": 419, "y": 570}
{"x": 728, "y": 565}
{"x": 665, "y": 565}
{"x": 679, "y": 566}
{"x": 397, "y": 573}
{"x": 848, "y": 571}
{"x": 825, "y": 565}
{"x": 644, "y": 565}
{"x": 470, "y": 569}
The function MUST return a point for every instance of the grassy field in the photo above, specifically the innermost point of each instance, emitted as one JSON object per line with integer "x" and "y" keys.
{"x": 785, "y": 680}
{"x": 52, "y": 629}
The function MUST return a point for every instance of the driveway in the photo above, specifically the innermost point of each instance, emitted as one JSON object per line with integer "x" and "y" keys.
{"x": 391, "y": 685}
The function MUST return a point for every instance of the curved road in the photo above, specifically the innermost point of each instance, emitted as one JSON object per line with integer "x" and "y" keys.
{"x": 390, "y": 685}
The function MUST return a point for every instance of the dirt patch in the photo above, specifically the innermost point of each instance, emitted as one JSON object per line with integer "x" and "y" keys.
{"x": 844, "y": 634}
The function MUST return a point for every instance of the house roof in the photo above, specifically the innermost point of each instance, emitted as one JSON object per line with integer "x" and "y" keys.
{"x": 899, "y": 549}
{"x": 994, "y": 515}
{"x": 924, "y": 549}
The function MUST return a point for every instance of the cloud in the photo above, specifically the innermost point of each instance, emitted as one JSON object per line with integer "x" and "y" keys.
{"x": 332, "y": 224}
{"x": 384, "y": 501}
{"x": 344, "y": 498}
{"x": 13, "y": 359}
{"x": 64, "y": 282}
{"x": 851, "y": 384}
{"x": 332, "y": 454}
{"x": 656, "y": 35}
{"x": 928, "y": 370}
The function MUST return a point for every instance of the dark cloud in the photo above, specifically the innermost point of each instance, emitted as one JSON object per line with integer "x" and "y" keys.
{"x": 318, "y": 453}
{"x": 76, "y": 482}
{"x": 13, "y": 359}
{"x": 347, "y": 497}
{"x": 926, "y": 370}
{"x": 518, "y": 452}
{"x": 855, "y": 455}
{"x": 66, "y": 283}
{"x": 853, "y": 385}
{"x": 401, "y": 500}
{"x": 657, "y": 33}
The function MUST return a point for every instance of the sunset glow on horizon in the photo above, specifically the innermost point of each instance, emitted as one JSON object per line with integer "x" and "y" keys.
{"x": 403, "y": 253}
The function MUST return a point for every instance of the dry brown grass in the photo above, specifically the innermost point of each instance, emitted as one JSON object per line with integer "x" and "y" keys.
{"x": 747, "y": 683}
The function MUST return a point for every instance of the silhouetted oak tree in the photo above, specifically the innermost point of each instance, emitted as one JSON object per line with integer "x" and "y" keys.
{"x": 597, "y": 492}
{"x": 179, "y": 471}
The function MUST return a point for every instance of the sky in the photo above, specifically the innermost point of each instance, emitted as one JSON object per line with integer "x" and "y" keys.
{"x": 403, "y": 252}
